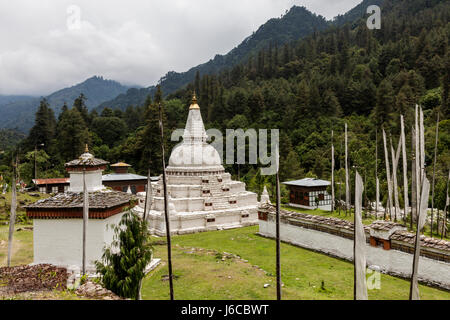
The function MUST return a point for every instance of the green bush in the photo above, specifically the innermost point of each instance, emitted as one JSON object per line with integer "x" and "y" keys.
{"x": 123, "y": 262}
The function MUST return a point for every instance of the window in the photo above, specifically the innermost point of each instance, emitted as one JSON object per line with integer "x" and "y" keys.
{"x": 208, "y": 204}
{"x": 133, "y": 189}
{"x": 205, "y": 181}
{"x": 232, "y": 201}
{"x": 55, "y": 189}
{"x": 205, "y": 191}
{"x": 42, "y": 189}
{"x": 321, "y": 197}
{"x": 66, "y": 188}
{"x": 210, "y": 219}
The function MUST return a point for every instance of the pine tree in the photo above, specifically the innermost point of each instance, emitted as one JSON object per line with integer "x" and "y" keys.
{"x": 44, "y": 127}
{"x": 149, "y": 138}
{"x": 385, "y": 101}
{"x": 73, "y": 134}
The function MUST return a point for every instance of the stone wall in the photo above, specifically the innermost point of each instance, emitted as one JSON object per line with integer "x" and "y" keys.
{"x": 334, "y": 237}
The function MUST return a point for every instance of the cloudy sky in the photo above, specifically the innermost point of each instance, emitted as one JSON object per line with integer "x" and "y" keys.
{"x": 47, "y": 45}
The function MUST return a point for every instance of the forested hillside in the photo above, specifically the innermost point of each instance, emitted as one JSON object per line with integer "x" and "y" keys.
{"x": 19, "y": 111}
{"x": 305, "y": 88}
{"x": 9, "y": 138}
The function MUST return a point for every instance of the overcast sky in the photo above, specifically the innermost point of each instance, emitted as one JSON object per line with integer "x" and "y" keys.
{"x": 47, "y": 45}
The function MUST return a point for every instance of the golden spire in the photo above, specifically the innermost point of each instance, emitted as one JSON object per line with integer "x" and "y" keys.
{"x": 86, "y": 150}
{"x": 194, "y": 104}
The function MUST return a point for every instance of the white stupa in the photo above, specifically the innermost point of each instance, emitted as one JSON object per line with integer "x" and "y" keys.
{"x": 202, "y": 196}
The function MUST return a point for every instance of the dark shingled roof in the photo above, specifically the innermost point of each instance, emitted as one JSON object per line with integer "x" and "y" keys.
{"x": 97, "y": 200}
{"x": 405, "y": 236}
{"x": 89, "y": 162}
{"x": 330, "y": 221}
{"x": 384, "y": 225}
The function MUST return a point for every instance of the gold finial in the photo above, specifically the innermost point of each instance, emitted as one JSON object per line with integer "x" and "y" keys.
{"x": 86, "y": 150}
{"x": 194, "y": 104}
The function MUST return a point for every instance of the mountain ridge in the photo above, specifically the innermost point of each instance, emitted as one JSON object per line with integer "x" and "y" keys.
{"x": 298, "y": 22}
{"x": 19, "y": 114}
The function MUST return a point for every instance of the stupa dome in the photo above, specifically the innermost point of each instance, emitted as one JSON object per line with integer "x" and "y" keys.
{"x": 194, "y": 152}
{"x": 192, "y": 155}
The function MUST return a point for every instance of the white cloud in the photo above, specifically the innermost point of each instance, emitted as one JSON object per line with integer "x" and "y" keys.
{"x": 131, "y": 42}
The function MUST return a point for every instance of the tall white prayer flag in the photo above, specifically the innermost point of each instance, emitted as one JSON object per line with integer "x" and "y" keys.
{"x": 388, "y": 175}
{"x": 359, "y": 243}
{"x": 422, "y": 216}
{"x": 405, "y": 169}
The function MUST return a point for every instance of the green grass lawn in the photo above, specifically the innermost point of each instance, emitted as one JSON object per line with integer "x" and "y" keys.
{"x": 22, "y": 245}
{"x": 203, "y": 276}
{"x": 23, "y": 198}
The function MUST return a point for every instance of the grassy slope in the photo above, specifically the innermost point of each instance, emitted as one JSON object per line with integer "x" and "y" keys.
{"x": 302, "y": 272}
{"x": 22, "y": 246}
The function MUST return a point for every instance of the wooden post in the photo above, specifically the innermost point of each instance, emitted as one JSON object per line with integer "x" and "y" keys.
{"x": 332, "y": 173}
{"x": 340, "y": 183}
{"x": 166, "y": 207}
{"x": 85, "y": 219}
{"x": 347, "y": 184}
{"x": 12, "y": 216}
{"x": 278, "y": 255}
{"x": 377, "y": 191}
{"x": 434, "y": 171}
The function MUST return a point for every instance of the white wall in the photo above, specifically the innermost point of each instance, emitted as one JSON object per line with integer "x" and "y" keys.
{"x": 60, "y": 241}
{"x": 93, "y": 181}
{"x": 389, "y": 261}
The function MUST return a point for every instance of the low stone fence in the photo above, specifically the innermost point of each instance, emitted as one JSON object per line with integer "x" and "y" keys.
{"x": 389, "y": 246}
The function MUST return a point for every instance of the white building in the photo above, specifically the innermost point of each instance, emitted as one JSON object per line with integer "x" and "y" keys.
{"x": 58, "y": 221}
{"x": 202, "y": 195}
